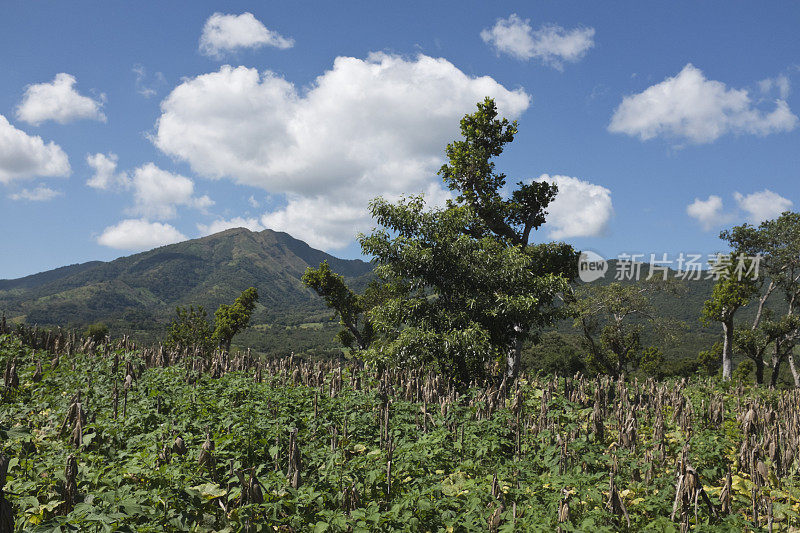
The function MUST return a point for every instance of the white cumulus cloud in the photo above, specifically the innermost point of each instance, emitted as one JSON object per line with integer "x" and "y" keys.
{"x": 39, "y": 194}
{"x": 139, "y": 234}
{"x": 158, "y": 192}
{"x": 26, "y": 156}
{"x": 222, "y": 224}
{"x": 551, "y": 43}
{"x": 225, "y": 33}
{"x": 105, "y": 172}
{"x": 691, "y": 107}
{"x": 762, "y": 205}
{"x": 709, "y": 213}
{"x": 367, "y": 127}
{"x": 58, "y": 101}
{"x": 580, "y": 209}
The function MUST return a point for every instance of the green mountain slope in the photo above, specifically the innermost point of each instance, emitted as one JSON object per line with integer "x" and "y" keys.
{"x": 138, "y": 294}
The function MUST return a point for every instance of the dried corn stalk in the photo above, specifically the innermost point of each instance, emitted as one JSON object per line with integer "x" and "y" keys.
{"x": 70, "y": 492}
{"x": 6, "y": 511}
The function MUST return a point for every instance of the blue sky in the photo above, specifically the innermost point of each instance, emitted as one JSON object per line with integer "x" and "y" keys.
{"x": 127, "y": 126}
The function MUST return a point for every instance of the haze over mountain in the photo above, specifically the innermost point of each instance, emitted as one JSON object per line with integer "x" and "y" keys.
{"x": 138, "y": 293}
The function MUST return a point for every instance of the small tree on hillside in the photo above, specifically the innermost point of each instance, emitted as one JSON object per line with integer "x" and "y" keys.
{"x": 357, "y": 332}
{"x": 98, "y": 332}
{"x": 189, "y": 330}
{"x": 231, "y": 319}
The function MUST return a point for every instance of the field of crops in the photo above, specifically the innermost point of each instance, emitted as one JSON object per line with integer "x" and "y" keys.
{"x": 113, "y": 438}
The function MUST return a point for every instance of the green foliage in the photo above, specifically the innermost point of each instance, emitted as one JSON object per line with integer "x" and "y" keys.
{"x": 728, "y": 296}
{"x": 451, "y": 474}
{"x": 463, "y": 287}
{"x": 189, "y": 330}
{"x": 357, "y": 333}
{"x": 97, "y": 332}
{"x": 554, "y": 353}
{"x": 231, "y": 319}
{"x": 765, "y": 260}
{"x": 744, "y": 372}
{"x": 651, "y": 362}
{"x": 709, "y": 361}
{"x": 612, "y": 319}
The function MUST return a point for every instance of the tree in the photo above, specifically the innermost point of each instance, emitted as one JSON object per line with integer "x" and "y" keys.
{"x": 189, "y": 330}
{"x": 612, "y": 318}
{"x": 357, "y": 332}
{"x": 781, "y": 238}
{"x": 773, "y": 246}
{"x": 231, "y": 319}
{"x": 463, "y": 285}
{"x": 727, "y": 297}
{"x": 97, "y": 332}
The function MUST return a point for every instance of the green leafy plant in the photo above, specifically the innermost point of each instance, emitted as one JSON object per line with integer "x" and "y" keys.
{"x": 189, "y": 330}
{"x": 231, "y": 319}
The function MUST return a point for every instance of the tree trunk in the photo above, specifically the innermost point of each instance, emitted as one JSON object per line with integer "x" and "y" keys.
{"x": 515, "y": 355}
{"x": 759, "y": 361}
{"x": 777, "y": 359}
{"x": 793, "y": 368}
{"x": 727, "y": 349}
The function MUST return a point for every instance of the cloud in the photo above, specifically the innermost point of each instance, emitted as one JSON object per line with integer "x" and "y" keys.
{"x": 26, "y": 156}
{"x": 39, "y": 194}
{"x": 139, "y": 234}
{"x": 157, "y": 192}
{"x": 763, "y": 205}
{"x": 236, "y": 222}
{"x": 699, "y": 110}
{"x": 322, "y": 223}
{"x": 367, "y": 127}
{"x": 755, "y": 207}
{"x": 780, "y": 83}
{"x": 226, "y": 33}
{"x": 709, "y": 213}
{"x": 580, "y": 209}
{"x": 105, "y": 172}
{"x": 142, "y": 86}
{"x": 58, "y": 101}
{"x": 551, "y": 43}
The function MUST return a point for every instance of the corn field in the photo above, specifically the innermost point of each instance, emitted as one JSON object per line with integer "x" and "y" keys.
{"x": 115, "y": 437}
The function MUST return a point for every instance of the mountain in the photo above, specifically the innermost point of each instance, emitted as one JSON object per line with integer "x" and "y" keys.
{"x": 138, "y": 293}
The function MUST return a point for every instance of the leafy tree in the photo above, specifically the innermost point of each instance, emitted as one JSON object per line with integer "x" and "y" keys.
{"x": 612, "y": 319}
{"x": 464, "y": 286}
{"x": 744, "y": 371}
{"x": 554, "y": 353}
{"x": 709, "y": 361}
{"x": 189, "y": 330}
{"x": 730, "y": 293}
{"x": 776, "y": 244}
{"x": 357, "y": 332}
{"x": 781, "y": 251}
{"x": 97, "y": 332}
{"x": 231, "y": 319}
